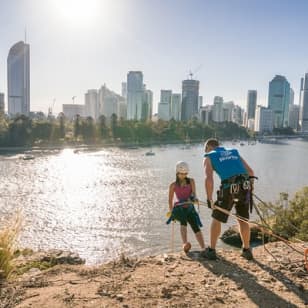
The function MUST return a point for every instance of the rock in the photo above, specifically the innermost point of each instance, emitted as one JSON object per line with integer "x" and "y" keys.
{"x": 232, "y": 236}
{"x": 62, "y": 257}
{"x": 53, "y": 256}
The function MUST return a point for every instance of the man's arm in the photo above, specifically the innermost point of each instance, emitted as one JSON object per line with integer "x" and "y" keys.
{"x": 247, "y": 167}
{"x": 209, "y": 180}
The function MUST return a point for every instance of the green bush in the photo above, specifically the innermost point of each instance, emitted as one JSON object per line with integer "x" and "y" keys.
{"x": 293, "y": 221}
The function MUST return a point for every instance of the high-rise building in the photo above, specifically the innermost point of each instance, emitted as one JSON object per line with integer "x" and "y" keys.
{"x": 279, "y": 100}
{"x": 110, "y": 103}
{"x": 1, "y": 103}
{"x": 135, "y": 91}
{"x": 217, "y": 110}
{"x": 251, "y": 104}
{"x": 264, "y": 119}
{"x": 124, "y": 89}
{"x": 91, "y": 104}
{"x": 200, "y": 102}
{"x": 294, "y": 117}
{"x": 300, "y": 102}
{"x": 147, "y": 105}
{"x": 238, "y": 115}
{"x": 227, "y": 111}
{"x": 190, "y": 98}
{"x": 304, "y": 105}
{"x": 206, "y": 114}
{"x": 176, "y": 106}
{"x": 291, "y": 96}
{"x": 72, "y": 110}
{"x": 18, "y": 79}
{"x": 164, "y": 106}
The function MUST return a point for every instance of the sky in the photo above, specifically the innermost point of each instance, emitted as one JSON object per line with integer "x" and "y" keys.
{"x": 231, "y": 46}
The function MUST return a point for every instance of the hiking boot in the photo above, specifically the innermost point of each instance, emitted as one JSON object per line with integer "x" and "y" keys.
{"x": 247, "y": 254}
{"x": 209, "y": 253}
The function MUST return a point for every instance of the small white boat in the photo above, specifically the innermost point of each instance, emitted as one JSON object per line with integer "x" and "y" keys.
{"x": 150, "y": 153}
{"x": 28, "y": 157}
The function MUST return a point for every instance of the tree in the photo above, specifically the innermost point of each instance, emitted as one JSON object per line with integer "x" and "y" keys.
{"x": 103, "y": 129}
{"x": 88, "y": 130}
{"x": 77, "y": 126}
{"x": 20, "y": 131}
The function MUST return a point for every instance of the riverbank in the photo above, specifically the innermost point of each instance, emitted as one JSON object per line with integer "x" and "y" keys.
{"x": 177, "y": 280}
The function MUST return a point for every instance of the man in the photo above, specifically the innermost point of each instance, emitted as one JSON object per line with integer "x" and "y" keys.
{"x": 236, "y": 186}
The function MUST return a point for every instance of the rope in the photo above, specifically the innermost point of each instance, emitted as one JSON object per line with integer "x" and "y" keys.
{"x": 172, "y": 237}
{"x": 270, "y": 232}
{"x": 275, "y": 212}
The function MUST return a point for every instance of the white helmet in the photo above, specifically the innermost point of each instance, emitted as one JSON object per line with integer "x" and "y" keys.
{"x": 181, "y": 166}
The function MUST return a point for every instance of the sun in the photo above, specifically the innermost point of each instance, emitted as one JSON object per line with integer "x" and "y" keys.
{"x": 77, "y": 12}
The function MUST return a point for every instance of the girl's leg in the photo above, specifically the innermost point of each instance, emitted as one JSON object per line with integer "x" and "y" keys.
{"x": 184, "y": 234}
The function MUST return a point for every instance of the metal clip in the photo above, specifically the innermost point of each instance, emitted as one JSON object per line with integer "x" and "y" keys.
{"x": 234, "y": 188}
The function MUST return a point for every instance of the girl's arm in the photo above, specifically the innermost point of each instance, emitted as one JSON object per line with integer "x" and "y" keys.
{"x": 171, "y": 194}
{"x": 193, "y": 187}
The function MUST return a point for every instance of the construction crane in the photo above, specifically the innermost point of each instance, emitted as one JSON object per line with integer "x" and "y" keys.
{"x": 192, "y": 72}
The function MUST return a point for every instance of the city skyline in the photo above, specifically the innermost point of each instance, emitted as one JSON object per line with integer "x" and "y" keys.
{"x": 229, "y": 47}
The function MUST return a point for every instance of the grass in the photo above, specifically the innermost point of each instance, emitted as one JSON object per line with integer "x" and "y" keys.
{"x": 8, "y": 235}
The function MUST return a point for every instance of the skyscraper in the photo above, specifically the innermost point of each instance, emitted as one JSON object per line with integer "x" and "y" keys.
{"x": 304, "y": 105}
{"x": 147, "y": 105}
{"x": 190, "y": 97}
{"x": 217, "y": 110}
{"x": 279, "y": 100}
{"x": 110, "y": 103}
{"x": 18, "y": 79}
{"x": 264, "y": 119}
{"x": 176, "y": 106}
{"x": 135, "y": 91}
{"x": 91, "y": 104}
{"x": 251, "y": 104}
{"x": 164, "y": 106}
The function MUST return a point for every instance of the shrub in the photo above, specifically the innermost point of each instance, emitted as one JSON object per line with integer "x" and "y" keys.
{"x": 293, "y": 221}
{"x": 8, "y": 236}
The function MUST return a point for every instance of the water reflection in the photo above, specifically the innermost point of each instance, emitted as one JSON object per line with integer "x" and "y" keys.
{"x": 102, "y": 203}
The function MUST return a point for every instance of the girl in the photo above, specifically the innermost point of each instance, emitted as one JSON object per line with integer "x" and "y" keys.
{"x": 182, "y": 194}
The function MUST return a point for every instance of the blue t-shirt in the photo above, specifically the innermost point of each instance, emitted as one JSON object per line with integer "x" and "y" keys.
{"x": 226, "y": 162}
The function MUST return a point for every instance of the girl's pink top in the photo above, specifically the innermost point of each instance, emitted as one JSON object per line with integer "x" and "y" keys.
{"x": 182, "y": 193}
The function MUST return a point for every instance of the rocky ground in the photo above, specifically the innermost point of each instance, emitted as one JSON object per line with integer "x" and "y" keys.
{"x": 275, "y": 279}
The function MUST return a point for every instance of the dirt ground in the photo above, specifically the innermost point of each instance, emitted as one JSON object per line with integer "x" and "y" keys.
{"x": 171, "y": 280}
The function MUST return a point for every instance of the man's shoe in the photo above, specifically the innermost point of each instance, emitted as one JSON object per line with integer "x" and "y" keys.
{"x": 209, "y": 253}
{"x": 247, "y": 254}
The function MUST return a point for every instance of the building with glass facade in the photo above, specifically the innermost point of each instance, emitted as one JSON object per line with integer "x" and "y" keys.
{"x": 279, "y": 100}
{"x": 18, "y": 79}
{"x": 304, "y": 104}
{"x": 135, "y": 94}
{"x": 190, "y": 99}
{"x": 251, "y": 104}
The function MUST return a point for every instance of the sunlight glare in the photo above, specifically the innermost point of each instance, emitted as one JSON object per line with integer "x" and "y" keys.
{"x": 77, "y": 12}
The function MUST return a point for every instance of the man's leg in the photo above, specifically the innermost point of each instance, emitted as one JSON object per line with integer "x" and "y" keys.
{"x": 199, "y": 237}
{"x": 245, "y": 233}
{"x": 215, "y": 232}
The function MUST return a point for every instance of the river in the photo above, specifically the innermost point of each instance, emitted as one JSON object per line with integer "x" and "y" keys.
{"x": 104, "y": 202}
